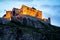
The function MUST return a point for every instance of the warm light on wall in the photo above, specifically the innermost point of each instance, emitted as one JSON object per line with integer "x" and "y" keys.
{"x": 32, "y": 12}
{"x": 25, "y": 11}
{"x": 8, "y": 15}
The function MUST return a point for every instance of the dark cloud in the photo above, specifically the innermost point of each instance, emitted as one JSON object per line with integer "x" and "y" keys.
{"x": 53, "y": 13}
{"x": 55, "y": 8}
{"x": 51, "y": 6}
{"x": 45, "y": 6}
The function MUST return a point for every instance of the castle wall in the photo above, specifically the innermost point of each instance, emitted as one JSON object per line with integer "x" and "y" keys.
{"x": 8, "y": 15}
{"x": 25, "y": 11}
{"x": 39, "y": 13}
{"x": 47, "y": 20}
{"x": 32, "y": 12}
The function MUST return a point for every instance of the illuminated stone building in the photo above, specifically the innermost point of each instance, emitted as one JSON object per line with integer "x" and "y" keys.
{"x": 31, "y": 12}
{"x": 24, "y": 10}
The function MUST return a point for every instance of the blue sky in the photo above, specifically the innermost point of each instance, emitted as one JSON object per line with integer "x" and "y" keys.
{"x": 49, "y": 8}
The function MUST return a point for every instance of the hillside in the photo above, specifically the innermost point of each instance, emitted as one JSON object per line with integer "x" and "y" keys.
{"x": 27, "y": 24}
{"x": 11, "y": 28}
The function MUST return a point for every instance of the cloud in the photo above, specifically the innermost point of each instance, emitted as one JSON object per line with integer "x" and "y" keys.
{"x": 52, "y": 11}
{"x": 17, "y": 0}
{"x": 55, "y": 20}
{"x": 25, "y": 0}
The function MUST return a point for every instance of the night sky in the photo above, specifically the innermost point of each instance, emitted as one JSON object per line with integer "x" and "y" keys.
{"x": 49, "y": 8}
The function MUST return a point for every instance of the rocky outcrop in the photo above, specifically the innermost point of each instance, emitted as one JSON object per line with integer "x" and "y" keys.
{"x": 4, "y": 21}
{"x": 7, "y": 33}
{"x": 20, "y": 29}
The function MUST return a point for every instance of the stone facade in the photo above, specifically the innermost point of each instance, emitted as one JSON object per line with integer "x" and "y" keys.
{"x": 25, "y": 11}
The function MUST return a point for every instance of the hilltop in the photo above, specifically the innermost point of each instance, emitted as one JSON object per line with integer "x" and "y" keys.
{"x": 27, "y": 24}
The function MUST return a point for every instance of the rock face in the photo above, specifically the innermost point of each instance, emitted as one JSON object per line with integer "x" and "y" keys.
{"x": 17, "y": 33}
{"x": 4, "y": 21}
{"x": 27, "y": 28}
{"x": 7, "y": 33}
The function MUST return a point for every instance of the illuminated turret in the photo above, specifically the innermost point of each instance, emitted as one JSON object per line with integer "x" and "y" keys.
{"x": 8, "y": 15}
